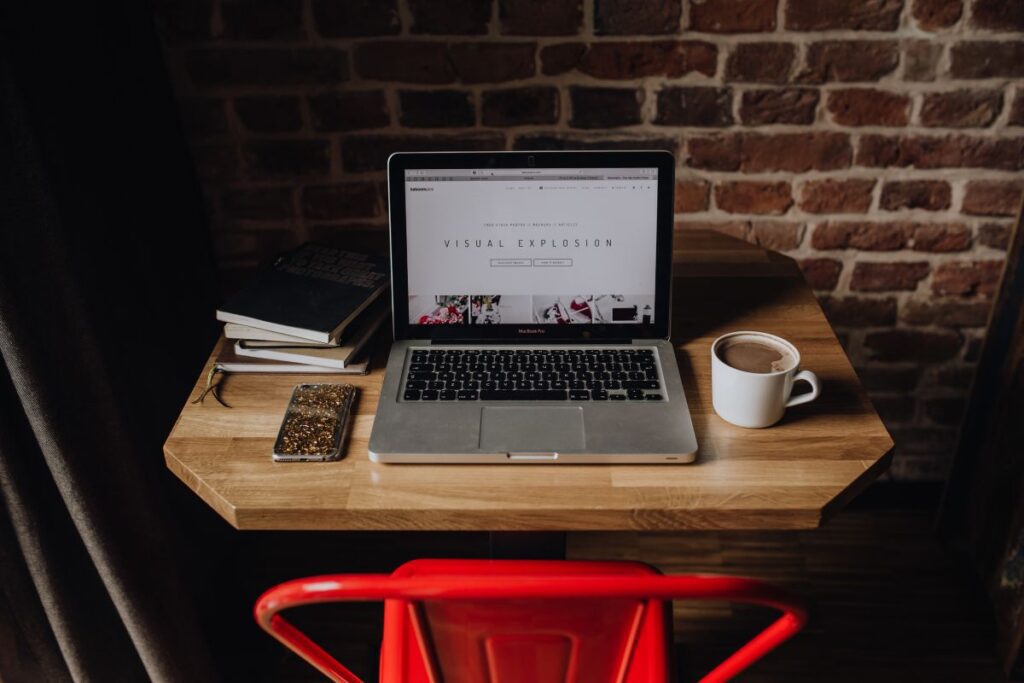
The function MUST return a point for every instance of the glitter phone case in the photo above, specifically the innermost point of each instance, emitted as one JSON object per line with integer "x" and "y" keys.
{"x": 315, "y": 423}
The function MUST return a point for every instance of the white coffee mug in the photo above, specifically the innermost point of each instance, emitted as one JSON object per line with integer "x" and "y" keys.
{"x": 757, "y": 399}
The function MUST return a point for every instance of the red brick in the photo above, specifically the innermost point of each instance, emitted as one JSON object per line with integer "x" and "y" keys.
{"x": 410, "y": 61}
{"x": 559, "y": 141}
{"x": 921, "y": 60}
{"x": 884, "y": 378}
{"x": 636, "y": 17}
{"x": 453, "y": 17}
{"x": 862, "y": 235}
{"x": 760, "y": 62}
{"x": 942, "y": 238}
{"x": 520, "y": 106}
{"x": 932, "y": 15}
{"x": 947, "y": 313}
{"x": 691, "y": 196}
{"x": 826, "y": 15}
{"x": 733, "y": 16}
{"x": 888, "y": 277}
{"x": 953, "y": 151}
{"x": 436, "y": 109}
{"x": 998, "y": 15}
{"x": 671, "y": 58}
{"x": 777, "y": 235}
{"x": 286, "y": 158}
{"x": 781, "y": 105}
{"x": 753, "y": 197}
{"x": 714, "y": 153}
{"x": 867, "y": 107}
{"x": 987, "y": 59}
{"x": 694, "y": 106}
{"x": 913, "y": 345}
{"x": 269, "y": 113}
{"x": 993, "y": 197}
{"x": 738, "y": 229}
{"x": 821, "y": 273}
{"x": 852, "y": 311}
{"x": 561, "y": 58}
{"x": 967, "y": 278}
{"x": 261, "y": 20}
{"x": 493, "y": 62}
{"x": 348, "y": 110}
{"x": 931, "y": 195}
{"x": 267, "y": 66}
{"x": 540, "y": 17}
{"x": 955, "y": 376}
{"x": 334, "y": 19}
{"x": 203, "y": 117}
{"x": 946, "y": 410}
{"x": 894, "y": 409}
{"x": 345, "y": 200}
{"x": 1017, "y": 111}
{"x": 370, "y": 152}
{"x": 604, "y": 107}
{"x": 836, "y": 196}
{"x": 848, "y": 61}
{"x": 994, "y": 235}
{"x": 259, "y": 203}
{"x": 795, "y": 152}
{"x": 961, "y": 108}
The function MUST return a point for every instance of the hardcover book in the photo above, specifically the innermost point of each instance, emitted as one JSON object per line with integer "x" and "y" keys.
{"x": 311, "y": 293}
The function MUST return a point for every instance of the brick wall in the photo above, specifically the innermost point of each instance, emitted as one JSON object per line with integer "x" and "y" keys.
{"x": 879, "y": 142}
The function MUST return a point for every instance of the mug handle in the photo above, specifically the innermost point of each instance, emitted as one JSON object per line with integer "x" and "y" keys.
{"x": 810, "y": 378}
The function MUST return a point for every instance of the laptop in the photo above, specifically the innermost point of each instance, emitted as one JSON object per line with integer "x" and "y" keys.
{"x": 531, "y": 299}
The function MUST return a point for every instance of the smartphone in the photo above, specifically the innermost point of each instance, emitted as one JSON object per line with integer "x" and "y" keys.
{"x": 315, "y": 423}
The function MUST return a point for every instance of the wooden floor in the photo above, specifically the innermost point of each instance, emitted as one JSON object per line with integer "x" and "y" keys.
{"x": 888, "y": 603}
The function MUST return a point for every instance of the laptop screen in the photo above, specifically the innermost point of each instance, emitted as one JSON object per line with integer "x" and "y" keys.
{"x": 531, "y": 246}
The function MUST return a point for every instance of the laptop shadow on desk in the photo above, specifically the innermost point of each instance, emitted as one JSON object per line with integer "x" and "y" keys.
{"x": 703, "y": 304}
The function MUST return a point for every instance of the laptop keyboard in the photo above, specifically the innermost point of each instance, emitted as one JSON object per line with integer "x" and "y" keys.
{"x": 589, "y": 374}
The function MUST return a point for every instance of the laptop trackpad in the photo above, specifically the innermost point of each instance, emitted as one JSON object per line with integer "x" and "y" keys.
{"x": 528, "y": 429}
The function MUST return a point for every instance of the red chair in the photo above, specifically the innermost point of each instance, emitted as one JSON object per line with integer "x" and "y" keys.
{"x": 480, "y": 621}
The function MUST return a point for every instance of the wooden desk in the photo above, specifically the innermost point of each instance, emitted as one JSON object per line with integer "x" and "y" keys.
{"x": 791, "y": 476}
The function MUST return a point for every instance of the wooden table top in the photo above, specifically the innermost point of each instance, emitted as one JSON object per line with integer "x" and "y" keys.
{"x": 790, "y": 476}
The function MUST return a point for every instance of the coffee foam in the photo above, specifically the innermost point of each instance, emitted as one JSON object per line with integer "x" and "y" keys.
{"x": 753, "y": 353}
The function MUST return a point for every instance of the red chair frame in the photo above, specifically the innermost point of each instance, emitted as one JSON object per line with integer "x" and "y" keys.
{"x": 459, "y": 586}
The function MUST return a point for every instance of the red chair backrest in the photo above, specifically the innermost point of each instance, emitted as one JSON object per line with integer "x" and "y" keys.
{"x": 555, "y": 640}
{"x": 471, "y": 621}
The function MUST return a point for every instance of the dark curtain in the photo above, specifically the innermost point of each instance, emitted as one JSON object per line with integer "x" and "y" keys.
{"x": 106, "y": 313}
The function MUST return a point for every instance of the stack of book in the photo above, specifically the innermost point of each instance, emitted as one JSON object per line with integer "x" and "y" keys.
{"x": 312, "y": 311}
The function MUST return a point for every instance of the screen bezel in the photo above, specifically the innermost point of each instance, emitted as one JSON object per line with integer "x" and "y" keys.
{"x": 399, "y": 162}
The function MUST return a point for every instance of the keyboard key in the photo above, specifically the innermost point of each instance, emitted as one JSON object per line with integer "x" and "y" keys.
{"x": 599, "y": 395}
{"x": 467, "y": 395}
{"x": 412, "y": 395}
{"x": 635, "y": 395}
{"x": 428, "y": 395}
{"x": 617, "y": 397}
{"x": 421, "y": 376}
{"x": 533, "y": 395}
{"x": 654, "y": 397}
{"x": 448, "y": 395}
{"x": 579, "y": 395}
{"x": 416, "y": 384}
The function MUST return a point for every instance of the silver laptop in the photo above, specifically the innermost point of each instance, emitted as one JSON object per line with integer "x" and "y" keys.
{"x": 530, "y": 293}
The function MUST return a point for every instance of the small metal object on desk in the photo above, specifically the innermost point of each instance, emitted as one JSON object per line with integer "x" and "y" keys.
{"x": 315, "y": 423}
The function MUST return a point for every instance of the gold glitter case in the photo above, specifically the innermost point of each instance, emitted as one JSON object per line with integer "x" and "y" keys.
{"x": 315, "y": 423}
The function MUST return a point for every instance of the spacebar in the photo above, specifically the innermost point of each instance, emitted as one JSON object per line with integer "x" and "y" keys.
{"x": 527, "y": 395}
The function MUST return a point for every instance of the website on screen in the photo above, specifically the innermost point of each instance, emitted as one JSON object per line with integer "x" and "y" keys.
{"x": 531, "y": 246}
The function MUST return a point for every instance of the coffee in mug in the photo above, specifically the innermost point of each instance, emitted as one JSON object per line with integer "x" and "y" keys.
{"x": 752, "y": 378}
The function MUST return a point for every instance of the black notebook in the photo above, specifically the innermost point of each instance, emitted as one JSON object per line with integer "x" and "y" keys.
{"x": 313, "y": 293}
